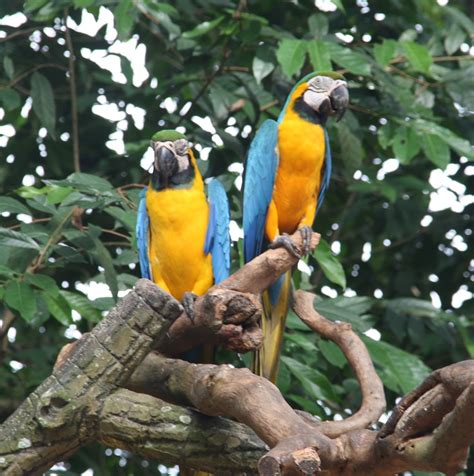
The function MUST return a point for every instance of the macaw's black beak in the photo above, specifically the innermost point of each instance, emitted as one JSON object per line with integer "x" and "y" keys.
{"x": 166, "y": 162}
{"x": 339, "y": 101}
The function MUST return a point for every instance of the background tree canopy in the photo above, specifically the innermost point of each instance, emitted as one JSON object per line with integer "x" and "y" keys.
{"x": 83, "y": 86}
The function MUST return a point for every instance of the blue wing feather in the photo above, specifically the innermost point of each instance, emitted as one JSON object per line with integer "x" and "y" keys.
{"x": 143, "y": 223}
{"x": 217, "y": 237}
{"x": 327, "y": 171}
{"x": 260, "y": 172}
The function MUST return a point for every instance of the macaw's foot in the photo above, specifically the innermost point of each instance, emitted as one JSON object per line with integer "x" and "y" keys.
{"x": 188, "y": 304}
{"x": 306, "y": 233}
{"x": 284, "y": 241}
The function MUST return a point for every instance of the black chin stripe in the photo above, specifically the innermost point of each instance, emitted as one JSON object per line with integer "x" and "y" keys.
{"x": 307, "y": 113}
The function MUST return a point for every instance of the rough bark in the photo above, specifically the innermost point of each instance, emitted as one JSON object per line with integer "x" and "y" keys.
{"x": 175, "y": 434}
{"x": 82, "y": 401}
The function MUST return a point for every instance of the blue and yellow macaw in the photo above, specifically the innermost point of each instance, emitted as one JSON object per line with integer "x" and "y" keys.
{"x": 182, "y": 237}
{"x": 287, "y": 174}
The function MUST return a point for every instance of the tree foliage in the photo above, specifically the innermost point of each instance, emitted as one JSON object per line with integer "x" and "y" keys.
{"x": 79, "y": 80}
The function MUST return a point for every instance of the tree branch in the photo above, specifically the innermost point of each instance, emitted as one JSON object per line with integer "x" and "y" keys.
{"x": 373, "y": 397}
{"x": 176, "y": 434}
{"x": 73, "y": 92}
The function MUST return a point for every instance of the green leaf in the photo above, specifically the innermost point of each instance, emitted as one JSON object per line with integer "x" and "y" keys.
{"x": 436, "y": 150}
{"x": 16, "y": 239}
{"x": 290, "y": 56}
{"x": 335, "y": 312}
{"x": 8, "y": 66}
{"x": 302, "y": 341}
{"x": 400, "y": 370}
{"x": 462, "y": 146}
{"x": 418, "y": 56}
{"x": 11, "y": 205}
{"x": 6, "y": 272}
{"x": 313, "y": 381}
{"x": 319, "y": 55}
{"x": 124, "y": 18}
{"x": 84, "y": 183}
{"x": 353, "y": 61}
{"x": 332, "y": 353}
{"x": 30, "y": 192}
{"x": 102, "y": 256}
{"x": 44, "y": 105}
{"x": 41, "y": 281}
{"x": 82, "y": 305}
{"x": 203, "y": 28}
{"x": 127, "y": 218}
{"x": 461, "y": 18}
{"x": 339, "y": 5}
{"x": 58, "y": 308}
{"x": 31, "y": 5}
{"x": 318, "y": 25}
{"x": 406, "y": 144}
{"x": 384, "y": 52}
{"x": 330, "y": 265}
{"x": 58, "y": 194}
{"x": 19, "y": 296}
{"x": 10, "y": 99}
{"x": 83, "y": 3}
{"x": 261, "y": 68}
{"x": 454, "y": 39}
{"x": 352, "y": 147}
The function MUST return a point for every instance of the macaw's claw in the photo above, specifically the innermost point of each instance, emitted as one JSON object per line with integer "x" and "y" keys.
{"x": 284, "y": 241}
{"x": 306, "y": 233}
{"x": 188, "y": 304}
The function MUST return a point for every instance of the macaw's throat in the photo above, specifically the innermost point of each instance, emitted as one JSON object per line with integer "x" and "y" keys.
{"x": 308, "y": 113}
{"x": 171, "y": 177}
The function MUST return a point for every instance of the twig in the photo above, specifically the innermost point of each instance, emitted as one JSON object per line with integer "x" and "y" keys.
{"x": 111, "y": 232}
{"x": 55, "y": 235}
{"x": 35, "y": 220}
{"x": 17, "y": 33}
{"x": 19, "y": 78}
{"x": 72, "y": 84}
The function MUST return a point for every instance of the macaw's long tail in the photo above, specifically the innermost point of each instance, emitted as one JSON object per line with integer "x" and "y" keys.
{"x": 275, "y": 302}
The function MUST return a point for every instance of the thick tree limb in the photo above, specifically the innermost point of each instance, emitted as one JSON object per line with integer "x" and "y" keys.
{"x": 60, "y": 415}
{"x": 172, "y": 434}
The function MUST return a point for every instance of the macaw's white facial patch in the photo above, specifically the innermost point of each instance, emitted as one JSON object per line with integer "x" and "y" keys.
{"x": 183, "y": 162}
{"x": 181, "y": 146}
{"x": 319, "y": 89}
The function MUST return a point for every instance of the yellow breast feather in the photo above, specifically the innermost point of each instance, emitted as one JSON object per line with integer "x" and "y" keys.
{"x": 179, "y": 219}
{"x": 301, "y": 147}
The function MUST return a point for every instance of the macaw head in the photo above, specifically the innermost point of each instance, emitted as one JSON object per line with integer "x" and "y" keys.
{"x": 325, "y": 94}
{"x": 174, "y": 164}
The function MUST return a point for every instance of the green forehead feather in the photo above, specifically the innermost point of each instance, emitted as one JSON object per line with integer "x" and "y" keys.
{"x": 329, "y": 74}
{"x": 166, "y": 135}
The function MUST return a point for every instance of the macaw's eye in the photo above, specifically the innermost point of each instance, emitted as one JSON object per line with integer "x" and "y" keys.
{"x": 181, "y": 146}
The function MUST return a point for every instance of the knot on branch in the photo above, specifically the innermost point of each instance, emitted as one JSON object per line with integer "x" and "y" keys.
{"x": 222, "y": 316}
{"x": 55, "y": 409}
